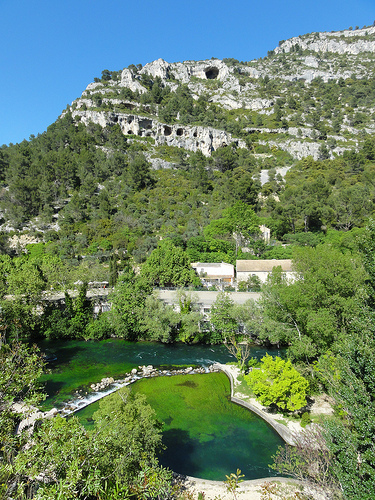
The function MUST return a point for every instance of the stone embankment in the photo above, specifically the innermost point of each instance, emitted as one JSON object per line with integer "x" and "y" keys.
{"x": 232, "y": 372}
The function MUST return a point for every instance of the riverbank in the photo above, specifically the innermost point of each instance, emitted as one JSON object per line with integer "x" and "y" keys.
{"x": 280, "y": 424}
{"x": 256, "y": 489}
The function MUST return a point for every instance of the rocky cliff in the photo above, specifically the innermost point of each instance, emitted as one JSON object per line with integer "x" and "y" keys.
{"x": 282, "y": 86}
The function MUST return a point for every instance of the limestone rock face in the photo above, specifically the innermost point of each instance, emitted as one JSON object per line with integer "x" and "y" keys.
{"x": 232, "y": 85}
{"x": 211, "y": 69}
{"x": 93, "y": 86}
{"x": 343, "y": 42}
{"x": 20, "y": 241}
{"x": 205, "y": 139}
{"x": 311, "y": 61}
{"x": 297, "y": 149}
{"x": 157, "y": 68}
{"x": 128, "y": 80}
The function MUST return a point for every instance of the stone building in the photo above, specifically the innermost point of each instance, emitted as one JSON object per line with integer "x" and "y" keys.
{"x": 262, "y": 268}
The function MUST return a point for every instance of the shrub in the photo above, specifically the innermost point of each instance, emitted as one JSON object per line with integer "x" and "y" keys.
{"x": 306, "y": 419}
{"x": 278, "y": 383}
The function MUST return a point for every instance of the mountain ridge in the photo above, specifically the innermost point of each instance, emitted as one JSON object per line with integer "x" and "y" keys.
{"x": 233, "y": 86}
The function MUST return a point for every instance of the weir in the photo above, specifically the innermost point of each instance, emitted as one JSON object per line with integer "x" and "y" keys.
{"x": 84, "y": 400}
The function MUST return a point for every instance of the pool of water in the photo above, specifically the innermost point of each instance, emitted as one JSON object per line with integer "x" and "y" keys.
{"x": 206, "y": 435}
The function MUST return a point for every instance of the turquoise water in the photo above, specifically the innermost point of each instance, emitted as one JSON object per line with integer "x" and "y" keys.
{"x": 79, "y": 364}
{"x": 206, "y": 434}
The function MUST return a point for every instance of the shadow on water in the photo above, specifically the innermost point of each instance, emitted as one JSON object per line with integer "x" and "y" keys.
{"x": 52, "y": 387}
{"x": 180, "y": 452}
{"x": 59, "y": 353}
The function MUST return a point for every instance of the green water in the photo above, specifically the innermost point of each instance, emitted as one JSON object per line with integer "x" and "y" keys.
{"x": 206, "y": 434}
{"x": 79, "y": 364}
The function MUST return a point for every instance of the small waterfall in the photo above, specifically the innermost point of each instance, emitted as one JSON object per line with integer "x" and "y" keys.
{"x": 81, "y": 401}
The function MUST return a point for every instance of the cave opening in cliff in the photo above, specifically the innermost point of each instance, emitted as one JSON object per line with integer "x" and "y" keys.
{"x": 212, "y": 73}
{"x": 146, "y": 124}
{"x": 167, "y": 130}
{"x": 180, "y": 131}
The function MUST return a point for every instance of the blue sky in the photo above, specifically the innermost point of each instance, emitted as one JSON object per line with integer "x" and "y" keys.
{"x": 50, "y": 51}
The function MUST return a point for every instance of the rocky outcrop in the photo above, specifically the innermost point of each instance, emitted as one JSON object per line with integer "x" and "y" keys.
{"x": 299, "y": 149}
{"x": 340, "y": 42}
{"x": 204, "y": 139}
{"x": 211, "y": 69}
{"x": 158, "y": 68}
{"x": 234, "y": 85}
{"x": 232, "y": 102}
{"x": 103, "y": 384}
{"x": 89, "y": 103}
{"x": 29, "y": 415}
{"x": 19, "y": 242}
{"x": 128, "y": 80}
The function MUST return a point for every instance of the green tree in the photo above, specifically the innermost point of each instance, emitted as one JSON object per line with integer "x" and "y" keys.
{"x": 113, "y": 270}
{"x": 349, "y": 378}
{"x": 190, "y": 317}
{"x": 110, "y": 461}
{"x": 128, "y": 301}
{"x": 25, "y": 279}
{"x": 223, "y": 322}
{"x": 252, "y": 284}
{"x": 278, "y": 383}
{"x": 351, "y": 204}
{"x": 314, "y": 313}
{"x": 127, "y": 451}
{"x": 225, "y": 158}
{"x": 81, "y": 314}
{"x": 169, "y": 265}
{"x": 159, "y": 321}
{"x": 367, "y": 250}
{"x": 139, "y": 175}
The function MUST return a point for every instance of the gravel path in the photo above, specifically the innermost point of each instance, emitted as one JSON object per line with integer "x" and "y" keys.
{"x": 248, "y": 490}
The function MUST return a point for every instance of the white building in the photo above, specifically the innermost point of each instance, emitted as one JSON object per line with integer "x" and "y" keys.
{"x": 215, "y": 273}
